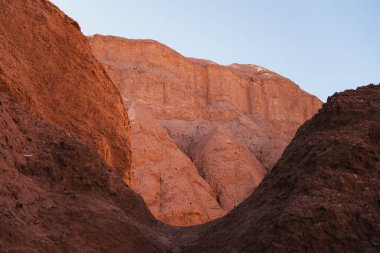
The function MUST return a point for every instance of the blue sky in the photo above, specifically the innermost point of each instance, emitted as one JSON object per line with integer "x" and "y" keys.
{"x": 323, "y": 45}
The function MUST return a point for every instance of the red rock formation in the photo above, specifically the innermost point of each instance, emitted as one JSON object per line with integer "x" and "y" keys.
{"x": 165, "y": 177}
{"x": 47, "y": 67}
{"x": 190, "y": 97}
{"x": 260, "y": 108}
{"x": 229, "y": 167}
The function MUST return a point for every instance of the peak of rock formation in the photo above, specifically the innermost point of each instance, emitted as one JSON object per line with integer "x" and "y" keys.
{"x": 190, "y": 98}
{"x": 47, "y": 67}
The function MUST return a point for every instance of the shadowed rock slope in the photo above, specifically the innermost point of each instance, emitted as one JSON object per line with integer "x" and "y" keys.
{"x": 58, "y": 195}
{"x": 321, "y": 196}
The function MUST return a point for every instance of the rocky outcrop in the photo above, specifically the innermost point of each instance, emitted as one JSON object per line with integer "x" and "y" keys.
{"x": 47, "y": 67}
{"x": 165, "y": 177}
{"x": 230, "y": 168}
{"x": 191, "y": 98}
{"x": 261, "y": 108}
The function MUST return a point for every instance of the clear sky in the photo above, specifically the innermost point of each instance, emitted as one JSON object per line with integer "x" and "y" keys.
{"x": 323, "y": 45}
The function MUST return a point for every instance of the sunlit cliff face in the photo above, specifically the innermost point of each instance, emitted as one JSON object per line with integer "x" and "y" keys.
{"x": 203, "y": 135}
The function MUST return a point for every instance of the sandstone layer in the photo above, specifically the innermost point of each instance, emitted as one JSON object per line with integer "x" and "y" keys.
{"x": 258, "y": 110}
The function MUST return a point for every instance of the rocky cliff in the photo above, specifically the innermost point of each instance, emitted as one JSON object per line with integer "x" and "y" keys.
{"x": 258, "y": 110}
{"x": 48, "y": 68}
{"x": 185, "y": 91}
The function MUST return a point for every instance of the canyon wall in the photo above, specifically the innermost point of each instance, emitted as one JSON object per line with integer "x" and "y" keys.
{"x": 183, "y": 90}
{"x": 256, "y": 109}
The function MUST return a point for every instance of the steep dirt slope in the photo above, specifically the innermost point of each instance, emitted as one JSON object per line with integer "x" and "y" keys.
{"x": 58, "y": 195}
{"x": 165, "y": 177}
{"x": 48, "y": 68}
{"x": 322, "y": 195}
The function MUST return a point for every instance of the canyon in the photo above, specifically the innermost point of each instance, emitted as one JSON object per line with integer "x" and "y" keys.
{"x": 74, "y": 146}
{"x": 251, "y": 112}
